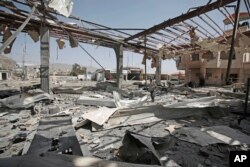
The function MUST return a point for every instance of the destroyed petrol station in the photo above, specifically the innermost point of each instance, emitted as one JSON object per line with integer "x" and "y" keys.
{"x": 127, "y": 116}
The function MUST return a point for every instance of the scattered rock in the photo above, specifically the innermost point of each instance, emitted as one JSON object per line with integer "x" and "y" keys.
{"x": 208, "y": 162}
{"x": 14, "y": 120}
{"x": 20, "y": 137}
{"x": 22, "y": 128}
{"x": 54, "y": 109}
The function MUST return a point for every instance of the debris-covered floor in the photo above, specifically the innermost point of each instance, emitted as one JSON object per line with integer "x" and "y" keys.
{"x": 183, "y": 127}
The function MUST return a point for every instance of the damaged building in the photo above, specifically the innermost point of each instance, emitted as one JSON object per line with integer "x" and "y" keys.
{"x": 7, "y": 67}
{"x": 128, "y": 116}
{"x": 212, "y": 66}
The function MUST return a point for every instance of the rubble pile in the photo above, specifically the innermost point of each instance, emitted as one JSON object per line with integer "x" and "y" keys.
{"x": 183, "y": 127}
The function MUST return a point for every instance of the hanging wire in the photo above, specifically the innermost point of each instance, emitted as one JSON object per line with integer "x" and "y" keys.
{"x": 90, "y": 56}
{"x": 60, "y": 25}
{"x": 215, "y": 24}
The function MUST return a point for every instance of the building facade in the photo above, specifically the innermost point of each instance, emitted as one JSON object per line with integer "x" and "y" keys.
{"x": 4, "y": 75}
{"x": 213, "y": 70}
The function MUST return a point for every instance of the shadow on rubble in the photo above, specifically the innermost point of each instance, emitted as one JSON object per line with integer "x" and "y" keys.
{"x": 169, "y": 150}
{"x": 52, "y": 160}
{"x": 61, "y": 145}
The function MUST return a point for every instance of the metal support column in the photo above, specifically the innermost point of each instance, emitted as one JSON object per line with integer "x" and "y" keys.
{"x": 246, "y": 98}
{"x": 45, "y": 55}
{"x": 145, "y": 54}
{"x": 158, "y": 71}
{"x": 236, "y": 22}
{"x": 119, "y": 64}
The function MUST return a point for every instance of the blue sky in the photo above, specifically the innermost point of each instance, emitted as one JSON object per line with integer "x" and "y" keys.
{"x": 116, "y": 14}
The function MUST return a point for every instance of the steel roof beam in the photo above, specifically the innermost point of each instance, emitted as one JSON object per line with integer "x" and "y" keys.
{"x": 183, "y": 17}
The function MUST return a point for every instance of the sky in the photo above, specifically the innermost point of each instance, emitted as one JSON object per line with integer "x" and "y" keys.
{"x": 115, "y": 14}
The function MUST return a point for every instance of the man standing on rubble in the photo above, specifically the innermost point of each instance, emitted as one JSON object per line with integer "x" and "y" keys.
{"x": 151, "y": 89}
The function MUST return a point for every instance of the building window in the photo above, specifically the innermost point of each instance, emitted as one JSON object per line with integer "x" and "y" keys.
{"x": 246, "y": 57}
{"x": 208, "y": 75}
{"x": 225, "y": 55}
{"x": 208, "y": 55}
{"x": 180, "y": 59}
{"x": 195, "y": 57}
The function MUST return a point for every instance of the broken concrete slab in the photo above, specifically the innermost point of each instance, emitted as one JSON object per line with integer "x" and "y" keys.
{"x": 53, "y": 109}
{"x": 120, "y": 103}
{"x": 237, "y": 95}
{"x": 171, "y": 128}
{"x": 123, "y": 93}
{"x": 212, "y": 135}
{"x": 8, "y": 92}
{"x": 79, "y": 122}
{"x": 148, "y": 114}
{"x": 25, "y": 100}
{"x": 88, "y": 101}
{"x": 28, "y": 141}
{"x": 103, "y": 85}
{"x": 68, "y": 111}
{"x": 196, "y": 102}
{"x": 3, "y": 114}
{"x": 68, "y": 90}
{"x": 99, "y": 116}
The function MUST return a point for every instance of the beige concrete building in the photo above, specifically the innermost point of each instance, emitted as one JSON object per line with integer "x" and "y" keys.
{"x": 213, "y": 70}
{"x": 208, "y": 64}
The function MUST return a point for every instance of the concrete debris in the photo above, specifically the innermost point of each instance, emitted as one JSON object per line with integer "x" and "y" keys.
{"x": 120, "y": 103}
{"x": 148, "y": 114}
{"x": 60, "y": 43}
{"x": 196, "y": 102}
{"x": 123, "y": 93}
{"x": 69, "y": 111}
{"x": 25, "y": 100}
{"x": 171, "y": 128}
{"x": 8, "y": 92}
{"x": 34, "y": 35}
{"x": 70, "y": 90}
{"x": 212, "y": 135}
{"x": 3, "y": 114}
{"x": 73, "y": 41}
{"x": 63, "y": 7}
{"x": 100, "y": 116}
{"x": 105, "y": 85}
{"x": 183, "y": 127}
{"x": 79, "y": 122}
{"x": 6, "y": 35}
{"x": 53, "y": 110}
{"x": 84, "y": 100}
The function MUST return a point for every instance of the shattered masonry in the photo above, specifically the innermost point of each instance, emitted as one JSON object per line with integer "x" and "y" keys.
{"x": 53, "y": 115}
